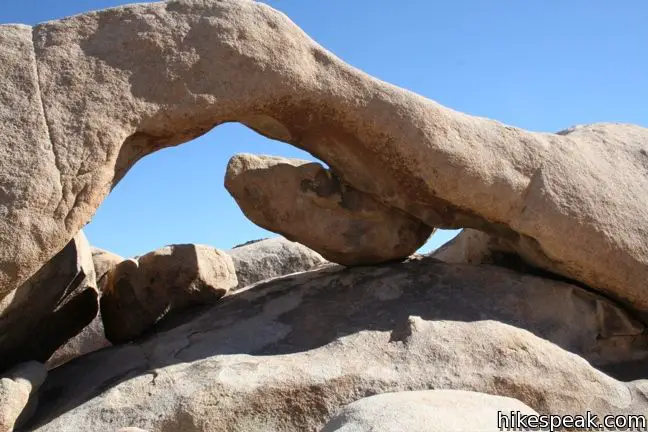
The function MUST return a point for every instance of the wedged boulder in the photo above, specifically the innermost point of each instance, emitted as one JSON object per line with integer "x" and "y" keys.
{"x": 17, "y": 393}
{"x": 426, "y": 411}
{"x": 309, "y": 204}
{"x": 270, "y": 258}
{"x": 288, "y": 354}
{"x": 54, "y": 305}
{"x": 138, "y": 292}
{"x": 92, "y": 337}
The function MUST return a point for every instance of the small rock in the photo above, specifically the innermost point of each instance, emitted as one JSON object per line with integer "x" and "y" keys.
{"x": 137, "y": 293}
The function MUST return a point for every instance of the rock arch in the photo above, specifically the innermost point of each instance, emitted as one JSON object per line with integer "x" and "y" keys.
{"x": 103, "y": 89}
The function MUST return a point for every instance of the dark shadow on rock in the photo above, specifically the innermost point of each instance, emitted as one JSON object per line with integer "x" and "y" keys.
{"x": 308, "y": 310}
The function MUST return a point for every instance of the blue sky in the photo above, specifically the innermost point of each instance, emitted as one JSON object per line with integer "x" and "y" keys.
{"x": 538, "y": 64}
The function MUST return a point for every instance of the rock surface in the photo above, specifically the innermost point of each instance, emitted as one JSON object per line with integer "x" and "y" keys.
{"x": 32, "y": 220}
{"x": 469, "y": 247}
{"x": 565, "y": 202}
{"x": 288, "y": 354}
{"x": 425, "y": 411}
{"x": 104, "y": 261}
{"x": 138, "y": 292}
{"x": 306, "y": 203}
{"x": 92, "y": 337}
{"x": 54, "y": 305}
{"x": 17, "y": 389}
{"x": 270, "y": 258}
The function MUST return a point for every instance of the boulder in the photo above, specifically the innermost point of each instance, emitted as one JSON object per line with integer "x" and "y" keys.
{"x": 270, "y": 258}
{"x": 138, "y": 292}
{"x": 17, "y": 394}
{"x": 104, "y": 261}
{"x": 309, "y": 204}
{"x": 427, "y": 411}
{"x": 288, "y": 354}
{"x": 54, "y": 305}
{"x": 566, "y": 202}
{"x": 92, "y": 337}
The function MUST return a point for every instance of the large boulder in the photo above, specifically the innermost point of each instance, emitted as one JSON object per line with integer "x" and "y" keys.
{"x": 138, "y": 292}
{"x": 287, "y": 355}
{"x": 428, "y": 411}
{"x": 18, "y": 393}
{"x": 54, "y": 305}
{"x": 270, "y": 258}
{"x": 92, "y": 337}
{"x": 309, "y": 204}
{"x": 118, "y": 84}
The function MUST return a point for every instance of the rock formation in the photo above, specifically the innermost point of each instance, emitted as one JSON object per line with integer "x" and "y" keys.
{"x": 18, "y": 388}
{"x": 92, "y": 337}
{"x": 84, "y": 98}
{"x": 138, "y": 292}
{"x": 426, "y": 411}
{"x": 288, "y": 354}
{"x": 306, "y": 203}
{"x": 54, "y": 305}
{"x": 91, "y": 109}
{"x": 270, "y": 258}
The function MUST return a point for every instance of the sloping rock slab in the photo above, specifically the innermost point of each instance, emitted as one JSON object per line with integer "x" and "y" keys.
{"x": 54, "y": 305}
{"x": 287, "y": 354}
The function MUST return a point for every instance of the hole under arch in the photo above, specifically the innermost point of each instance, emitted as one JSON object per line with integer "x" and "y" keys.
{"x": 176, "y": 195}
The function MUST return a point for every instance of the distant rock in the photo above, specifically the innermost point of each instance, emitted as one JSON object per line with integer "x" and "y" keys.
{"x": 426, "y": 411}
{"x": 138, "y": 292}
{"x": 309, "y": 204}
{"x": 18, "y": 389}
{"x": 287, "y": 355}
{"x": 468, "y": 247}
{"x": 104, "y": 261}
{"x": 249, "y": 242}
{"x": 54, "y": 305}
{"x": 265, "y": 259}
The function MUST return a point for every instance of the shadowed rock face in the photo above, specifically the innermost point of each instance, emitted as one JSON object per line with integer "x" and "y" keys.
{"x": 287, "y": 354}
{"x": 307, "y": 203}
{"x": 92, "y": 336}
{"x": 118, "y": 84}
{"x": 54, "y": 305}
